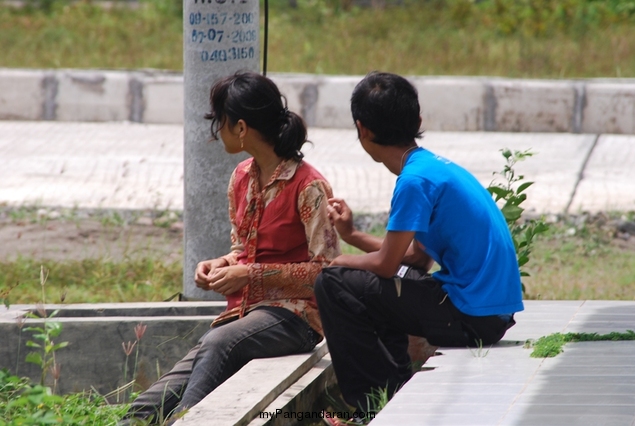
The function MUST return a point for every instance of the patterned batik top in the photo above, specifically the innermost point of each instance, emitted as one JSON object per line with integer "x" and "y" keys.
{"x": 283, "y": 234}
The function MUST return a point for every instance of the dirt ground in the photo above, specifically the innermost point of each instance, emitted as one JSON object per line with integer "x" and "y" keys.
{"x": 58, "y": 234}
{"x": 55, "y": 235}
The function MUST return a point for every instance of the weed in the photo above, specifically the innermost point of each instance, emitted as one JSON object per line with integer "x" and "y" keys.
{"x": 128, "y": 347}
{"x": 22, "y": 403}
{"x": 551, "y": 345}
{"x": 478, "y": 352}
{"x": 45, "y": 334}
{"x": 511, "y": 194}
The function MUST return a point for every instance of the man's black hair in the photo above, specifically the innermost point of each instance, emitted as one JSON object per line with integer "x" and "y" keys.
{"x": 387, "y": 105}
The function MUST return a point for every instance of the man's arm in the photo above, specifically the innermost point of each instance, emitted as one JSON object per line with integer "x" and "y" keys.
{"x": 383, "y": 255}
{"x": 418, "y": 258}
{"x": 383, "y": 262}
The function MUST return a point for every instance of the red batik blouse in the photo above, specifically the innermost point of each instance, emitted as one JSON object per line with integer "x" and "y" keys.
{"x": 283, "y": 234}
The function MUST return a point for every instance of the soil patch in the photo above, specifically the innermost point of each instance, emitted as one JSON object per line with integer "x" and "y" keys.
{"x": 62, "y": 235}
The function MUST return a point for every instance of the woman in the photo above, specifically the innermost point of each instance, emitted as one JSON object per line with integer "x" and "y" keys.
{"x": 281, "y": 239}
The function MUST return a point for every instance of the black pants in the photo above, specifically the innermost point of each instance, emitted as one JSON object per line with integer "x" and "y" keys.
{"x": 366, "y": 324}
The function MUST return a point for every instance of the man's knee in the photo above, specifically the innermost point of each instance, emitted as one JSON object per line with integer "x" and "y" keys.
{"x": 329, "y": 282}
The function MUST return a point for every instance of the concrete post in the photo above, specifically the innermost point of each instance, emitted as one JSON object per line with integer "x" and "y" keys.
{"x": 220, "y": 37}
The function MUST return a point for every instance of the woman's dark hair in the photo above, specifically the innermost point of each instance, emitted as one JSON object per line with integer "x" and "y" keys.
{"x": 256, "y": 99}
{"x": 387, "y": 105}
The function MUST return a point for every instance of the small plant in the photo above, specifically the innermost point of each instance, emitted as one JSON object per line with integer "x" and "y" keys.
{"x": 511, "y": 192}
{"x": 478, "y": 352}
{"x": 128, "y": 347}
{"x": 22, "y": 403}
{"x": 551, "y": 345}
{"x": 45, "y": 334}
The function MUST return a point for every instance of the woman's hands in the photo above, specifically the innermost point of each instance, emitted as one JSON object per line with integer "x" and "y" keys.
{"x": 217, "y": 275}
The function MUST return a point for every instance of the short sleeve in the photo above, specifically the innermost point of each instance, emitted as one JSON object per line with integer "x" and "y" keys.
{"x": 411, "y": 204}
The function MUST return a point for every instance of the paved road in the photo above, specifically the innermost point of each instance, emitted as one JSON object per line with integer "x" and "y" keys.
{"x": 140, "y": 166}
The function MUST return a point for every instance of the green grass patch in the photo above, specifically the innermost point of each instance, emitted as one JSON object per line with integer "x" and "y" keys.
{"x": 582, "y": 262}
{"x": 91, "y": 280}
{"x": 22, "y": 403}
{"x": 530, "y": 38}
{"x": 551, "y": 345}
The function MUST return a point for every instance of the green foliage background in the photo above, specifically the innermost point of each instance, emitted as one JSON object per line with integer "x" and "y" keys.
{"x": 514, "y": 38}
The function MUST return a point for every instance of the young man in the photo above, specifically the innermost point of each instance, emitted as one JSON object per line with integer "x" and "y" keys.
{"x": 439, "y": 213}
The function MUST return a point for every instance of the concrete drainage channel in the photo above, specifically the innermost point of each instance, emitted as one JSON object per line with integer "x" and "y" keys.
{"x": 94, "y": 359}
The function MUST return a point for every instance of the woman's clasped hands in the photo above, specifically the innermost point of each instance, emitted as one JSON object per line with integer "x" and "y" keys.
{"x": 217, "y": 275}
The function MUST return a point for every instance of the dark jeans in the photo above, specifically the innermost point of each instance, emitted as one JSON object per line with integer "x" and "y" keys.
{"x": 366, "y": 325}
{"x": 222, "y": 351}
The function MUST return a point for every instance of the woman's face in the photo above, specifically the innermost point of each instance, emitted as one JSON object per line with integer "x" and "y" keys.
{"x": 229, "y": 136}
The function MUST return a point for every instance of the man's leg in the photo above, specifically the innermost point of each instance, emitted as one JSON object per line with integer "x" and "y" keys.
{"x": 366, "y": 319}
{"x": 221, "y": 352}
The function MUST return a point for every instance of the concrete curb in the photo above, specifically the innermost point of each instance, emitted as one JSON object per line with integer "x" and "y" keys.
{"x": 94, "y": 358}
{"x": 448, "y": 103}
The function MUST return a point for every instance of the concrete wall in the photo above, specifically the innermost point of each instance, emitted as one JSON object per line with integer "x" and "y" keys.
{"x": 448, "y": 103}
{"x": 94, "y": 357}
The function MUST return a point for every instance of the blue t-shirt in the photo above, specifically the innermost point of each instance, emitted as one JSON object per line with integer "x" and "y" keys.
{"x": 458, "y": 224}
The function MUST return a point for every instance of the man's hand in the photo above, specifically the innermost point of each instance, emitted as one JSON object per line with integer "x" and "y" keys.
{"x": 341, "y": 217}
{"x": 205, "y": 270}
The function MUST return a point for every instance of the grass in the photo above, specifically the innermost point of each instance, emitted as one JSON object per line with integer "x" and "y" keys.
{"x": 22, "y": 403}
{"x": 551, "y": 345}
{"x": 571, "y": 40}
{"x": 581, "y": 262}
{"x": 92, "y": 280}
{"x": 565, "y": 265}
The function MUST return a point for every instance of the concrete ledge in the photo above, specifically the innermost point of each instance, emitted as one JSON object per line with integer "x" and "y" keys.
{"x": 299, "y": 397}
{"x": 22, "y": 95}
{"x": 589, "y": 383}
{"x": 448, "y": 103}
{"x": 94, "y": 357}
{"x": 250, "y": 391}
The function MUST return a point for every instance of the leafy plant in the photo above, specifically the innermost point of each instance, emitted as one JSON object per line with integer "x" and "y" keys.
{"x": 551, "y": 345}
{"x": 45, "y": 334}
{"x": 22, "y": 403}
{"x": 511, "y": 194}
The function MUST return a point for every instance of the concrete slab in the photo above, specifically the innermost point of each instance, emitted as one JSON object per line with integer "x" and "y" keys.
{"x": 92, "y": 96}
{"x": 333, "y": 103}
{"x": 106, "y": 165}
{"x": 539, "y": 105}
{"x": 299, "y": 397}
{"x": 140, "y": 166}
{"x": 241, "y": 398}
{"x": 502, "y": 385}
{"x": 452, "y": 104}
{"x": 608, "y": 182}
{"x": 610, "y": 107}
{"x": 21, "y": 94}
{"x": 163, "y": 99}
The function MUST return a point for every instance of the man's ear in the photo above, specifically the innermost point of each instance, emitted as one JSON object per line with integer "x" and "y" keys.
{"x": 363, "y": 132}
